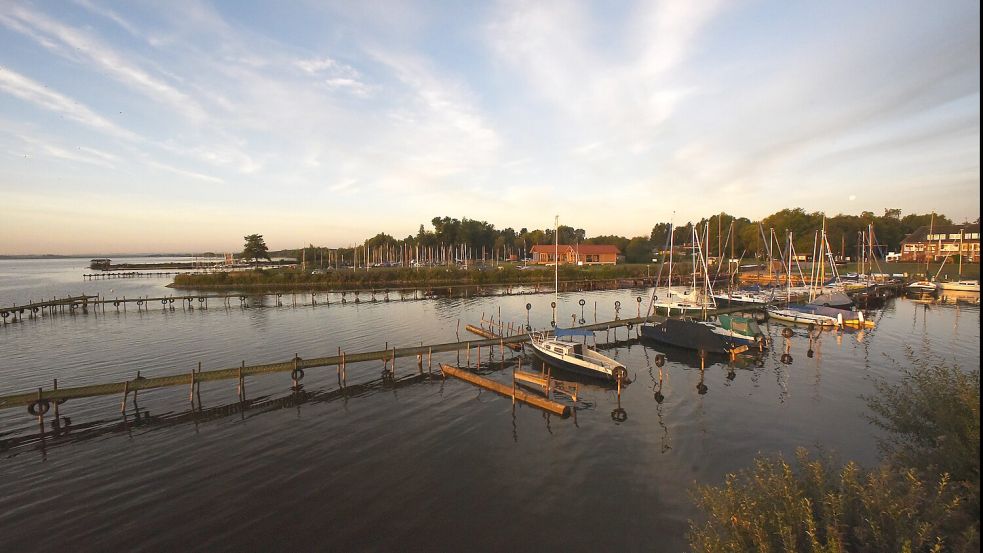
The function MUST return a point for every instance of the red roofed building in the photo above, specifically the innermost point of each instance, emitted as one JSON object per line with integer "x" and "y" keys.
{"x": 586, "y": 254}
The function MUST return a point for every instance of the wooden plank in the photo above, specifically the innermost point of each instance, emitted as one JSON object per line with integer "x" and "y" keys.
{"x": 535, "y": 401}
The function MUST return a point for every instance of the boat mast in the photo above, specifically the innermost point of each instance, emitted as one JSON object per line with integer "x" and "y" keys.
{"x": 960, "y": 277}
{"x": 556, "y": 259}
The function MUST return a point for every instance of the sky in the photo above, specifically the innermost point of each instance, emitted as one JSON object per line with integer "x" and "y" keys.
{"x": 145, "y": 126}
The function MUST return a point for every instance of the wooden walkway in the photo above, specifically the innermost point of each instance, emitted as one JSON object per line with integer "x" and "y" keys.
{"x": 423, "y": 358}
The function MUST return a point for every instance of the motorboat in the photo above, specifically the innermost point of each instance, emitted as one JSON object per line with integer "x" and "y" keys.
{"x": 960, "y": 286}
{"x": 924, "y": 286}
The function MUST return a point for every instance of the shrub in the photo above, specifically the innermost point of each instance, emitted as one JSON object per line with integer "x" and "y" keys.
{"x": 924, "y": 496}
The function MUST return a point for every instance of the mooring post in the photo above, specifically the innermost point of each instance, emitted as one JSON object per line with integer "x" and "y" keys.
{"x": 241, "y": 388}
{"x": 469, "y": 355}
{"x": 126, "y": 392}
{"x": 430, "y": 360}
{"x": 344, "y": 371}
{"x": 55, "y": 401}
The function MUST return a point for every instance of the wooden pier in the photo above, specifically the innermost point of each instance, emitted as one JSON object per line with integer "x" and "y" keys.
{"x": 423, "y": 356}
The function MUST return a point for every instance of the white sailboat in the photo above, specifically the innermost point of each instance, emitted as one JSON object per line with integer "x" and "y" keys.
{"x": 568, "y": 355}
{"x": 960, "y": 285}
{"x": 679, "y": 302}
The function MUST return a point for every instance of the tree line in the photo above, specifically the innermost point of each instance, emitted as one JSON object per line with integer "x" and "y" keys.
{"x": 453, "y": 240}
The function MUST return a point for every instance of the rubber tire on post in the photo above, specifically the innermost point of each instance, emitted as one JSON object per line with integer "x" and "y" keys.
{"x": 582, "y": 303}
{"x": 297, "y": 374}
{"x": 660, "y": 360}
{"x": 528, "y": 306}
{"x": 619, "y": 415}
{"x": 617, "y": 304}
{"x": 786, "y": 359}
{"x": 630, "y": 326}
{"x": 553, "y": 304}
{"x": 39, "y": 407}
{"x": 115, "y": 304}
{"x": 786, "y": 332}
{"x": 528, "y": 328}
{"x": 638, "y": 299}
{"x": 619, "y": 373}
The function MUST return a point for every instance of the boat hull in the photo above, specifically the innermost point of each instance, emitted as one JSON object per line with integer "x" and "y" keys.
{"x": 687, "y": 335}
{"x": 559, "y": 363}
{"x": 959, "y": 287}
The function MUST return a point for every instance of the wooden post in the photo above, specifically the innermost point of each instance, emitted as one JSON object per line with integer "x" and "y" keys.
{"x": 126, "y": 392}
{"x": 241, "y": 389}
{"x": 344, "y": 371}
{"x": 55, "y": 401}
{"x": 430, "y": 360}
{"x": 469, "y": 355}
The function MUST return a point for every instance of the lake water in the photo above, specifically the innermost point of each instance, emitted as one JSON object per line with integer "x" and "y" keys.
{"x": 425, "y": 464}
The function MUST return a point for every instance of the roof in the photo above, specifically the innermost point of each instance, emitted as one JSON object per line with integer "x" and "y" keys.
{"x": 920, "y": 234}
{"x": 583, "y": 249}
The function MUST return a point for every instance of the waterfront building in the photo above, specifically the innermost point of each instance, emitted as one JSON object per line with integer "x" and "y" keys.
{"x": 936, "y": 243}
{"x": 578, "y": 254}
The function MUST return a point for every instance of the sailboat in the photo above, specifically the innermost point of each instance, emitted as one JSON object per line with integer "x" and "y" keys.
{"x": 674, "y": 301}
{"x": 703, "y": 336}
{"x": 960, "y": 285}
{"x": 568, "y": 355}
{"x": 804, "y": 314}
{"x": 926, "y": 286}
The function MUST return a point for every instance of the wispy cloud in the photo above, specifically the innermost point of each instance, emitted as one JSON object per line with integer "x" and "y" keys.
{"x": 77, "y": 44}
{"x": 31, "y": 91}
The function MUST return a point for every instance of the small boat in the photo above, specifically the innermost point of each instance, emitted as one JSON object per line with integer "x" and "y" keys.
{"x": 743, "y": 297}
{"x": 574, "y": 357}
{"x": 923, "y": 286}
{"x": 796, "y": 314}
{"x": 694, "y": 335}
{"x": 833, "y": 298}
{"x": 960, "y": 286}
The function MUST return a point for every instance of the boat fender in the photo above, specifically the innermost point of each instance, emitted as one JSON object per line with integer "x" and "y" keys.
{"x": 660, "y": 360}
{"x": 839, "y": 319}
{"x": 860, "y": 315}
{"x": 38, "y": 408}
{"x": 786, "y": 332}
{"x": 582, "y": 303}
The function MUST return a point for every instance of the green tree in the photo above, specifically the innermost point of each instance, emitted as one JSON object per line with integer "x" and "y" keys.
{"x": 255, "y": 248}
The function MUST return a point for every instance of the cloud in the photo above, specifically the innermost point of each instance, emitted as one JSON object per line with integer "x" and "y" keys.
{"x": 76, "y": 44}
{"x": 31, "y": 91}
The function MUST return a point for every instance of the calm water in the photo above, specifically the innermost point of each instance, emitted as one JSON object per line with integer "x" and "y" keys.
{"x": 426, "y": 464}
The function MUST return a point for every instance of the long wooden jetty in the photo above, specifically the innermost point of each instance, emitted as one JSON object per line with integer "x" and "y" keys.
{"x": 423, "y": 355}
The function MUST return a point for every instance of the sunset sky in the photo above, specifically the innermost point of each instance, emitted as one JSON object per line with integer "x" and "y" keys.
{"x": 184, "y": 125}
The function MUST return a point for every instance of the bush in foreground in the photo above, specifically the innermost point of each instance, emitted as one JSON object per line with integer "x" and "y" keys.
{"x": 924, "y": 496}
